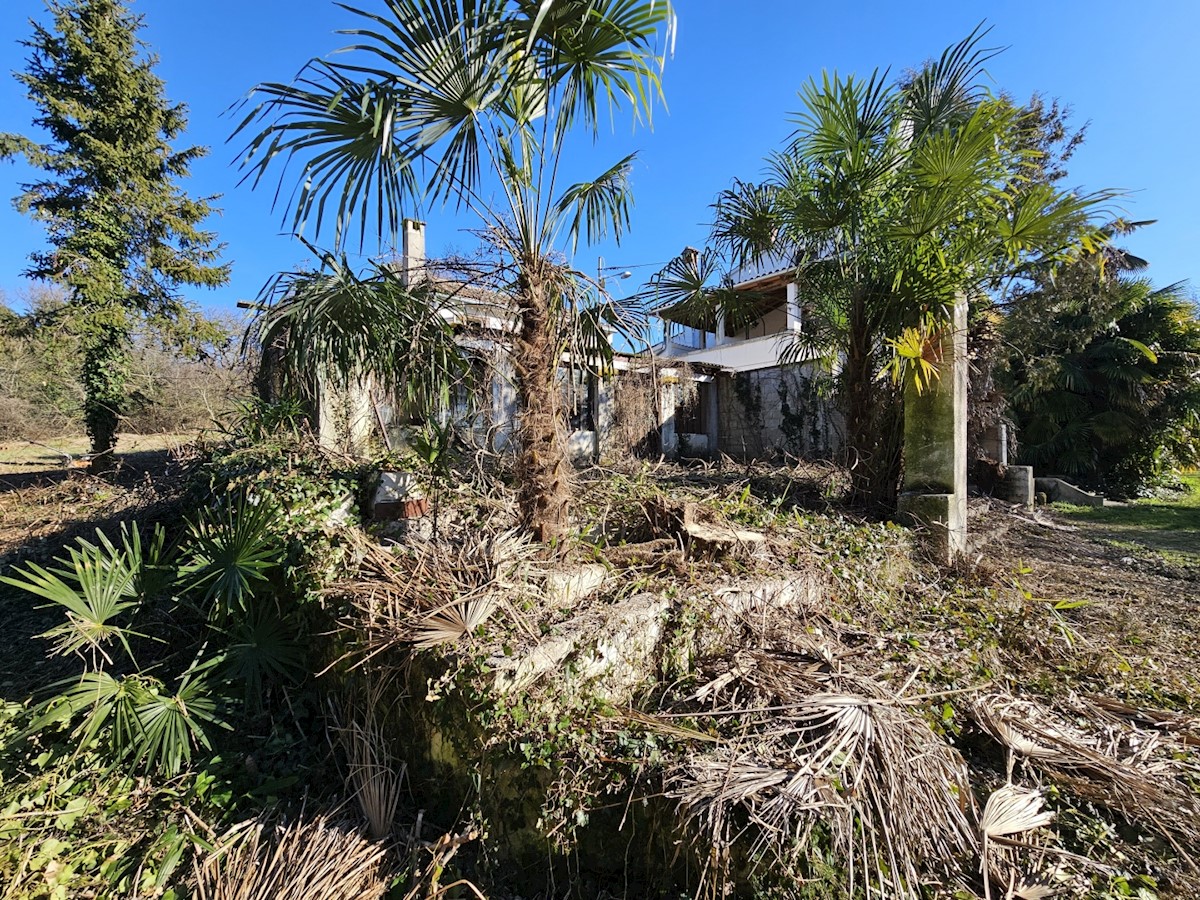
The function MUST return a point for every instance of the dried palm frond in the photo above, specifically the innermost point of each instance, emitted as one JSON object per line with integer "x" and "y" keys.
{"x": 453, "y": 621}
{"x": 1025, "y": 891}
{"x": 314, "y": 859}
{"x": 1121, "y": 773}
{"x": 1009, "y": 810}
{"x": 816, "y": 746}
{"x": 1012, "y": 810}
{"x": 435, "y": 593}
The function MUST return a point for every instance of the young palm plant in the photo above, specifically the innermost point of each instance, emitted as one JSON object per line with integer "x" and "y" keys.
{"x": 132, "y": 713}
{"x": 95, "y": 586}
{"x": 233, "y": 549}
{"x": 482, "y": 96}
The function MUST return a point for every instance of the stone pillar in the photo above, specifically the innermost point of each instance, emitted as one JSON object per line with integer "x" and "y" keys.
{"x": 995, "y": 443}
{"x": 935, "y": 446}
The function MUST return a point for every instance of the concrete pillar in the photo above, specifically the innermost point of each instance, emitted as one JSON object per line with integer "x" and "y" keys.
{"x": 666, "y": 411}
{"x": 1016, "y": 486}
{"x": 604, "y": 415}
{"x": 995, "y": 443}
{"x": 793, "y": 307}
{"x": 721, "y": 336}
{"x": 711, "y": 412}
{"x": 345, "y": 413}
{"x": 935, "y": 446}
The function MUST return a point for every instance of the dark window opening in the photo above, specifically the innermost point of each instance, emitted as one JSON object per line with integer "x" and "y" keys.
{"x": 579, "y": 400}
{"x": 692, "y": 417}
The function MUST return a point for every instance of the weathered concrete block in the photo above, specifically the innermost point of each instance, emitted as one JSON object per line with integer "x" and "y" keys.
{"x": 941, "y": 518}
{"x": 612, "y": 650}
{"x": 1059, "y": 491}
{"x": 1016, "y": 486}
{"x": 397, "y": 495}
{"x": 570, "y": 587}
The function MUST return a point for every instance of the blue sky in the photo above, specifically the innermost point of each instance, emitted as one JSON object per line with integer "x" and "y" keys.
{"x": 1127, "y": 69}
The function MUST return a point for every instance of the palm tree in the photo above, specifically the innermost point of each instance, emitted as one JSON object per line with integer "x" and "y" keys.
{"x": 1102, "y": 374}
{"x": 890, "y": 200}
{"x": 474, "y": 101}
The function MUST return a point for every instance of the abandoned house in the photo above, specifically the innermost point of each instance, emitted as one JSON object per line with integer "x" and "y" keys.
{"x": 748, "y": 403}
{"x": 703, "y": 390}
{"x": 628, "y": 409}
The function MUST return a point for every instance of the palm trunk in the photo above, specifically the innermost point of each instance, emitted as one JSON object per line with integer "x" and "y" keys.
{"x": 858, "y": 375}
{"x": 543, "y": 494}
{"x": 873, "y": 419}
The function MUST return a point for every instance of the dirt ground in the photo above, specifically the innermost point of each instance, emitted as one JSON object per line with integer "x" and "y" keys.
{"x": 1130, "y": 615}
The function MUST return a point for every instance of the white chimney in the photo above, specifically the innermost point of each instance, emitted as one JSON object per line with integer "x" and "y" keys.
{"x": 413, "y": 269}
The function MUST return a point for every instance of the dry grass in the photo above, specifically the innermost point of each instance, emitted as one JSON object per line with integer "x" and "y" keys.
{"x": 322, "y": 858}
{"x": 376, "y": 777}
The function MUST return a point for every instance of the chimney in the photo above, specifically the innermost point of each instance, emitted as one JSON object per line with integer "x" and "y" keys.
{"x": 414, "y": 252}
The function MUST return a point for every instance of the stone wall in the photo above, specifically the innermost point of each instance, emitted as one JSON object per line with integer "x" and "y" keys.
{"x": 777, "y": 410}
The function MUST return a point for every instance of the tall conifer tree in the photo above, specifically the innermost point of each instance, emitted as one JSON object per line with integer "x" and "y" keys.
{"x": 123, "y": 236}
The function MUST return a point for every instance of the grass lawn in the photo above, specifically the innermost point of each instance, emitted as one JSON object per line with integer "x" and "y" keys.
{"x": 1168, "y": 527}
{"x": 18, "y": 457}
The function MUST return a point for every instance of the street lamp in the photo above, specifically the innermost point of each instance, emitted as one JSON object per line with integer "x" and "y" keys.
{"x": 601, "y": 278}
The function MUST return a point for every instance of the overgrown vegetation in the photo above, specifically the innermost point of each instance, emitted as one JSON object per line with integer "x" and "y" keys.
{"x": 890, "y": 200}
{"x": 486, "y": 99}
{"x": 713, "y": 680}
{"x": 1101, "y": 374}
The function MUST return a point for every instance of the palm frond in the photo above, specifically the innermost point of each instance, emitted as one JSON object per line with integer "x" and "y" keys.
{"x": 455, "y": 620}
{"x": 234, "y": 549}
{"x": 600, "y": 207}
{"x": 95, "y": 585}
{"x": 947, "y": 90}
{"x": 336, "y": 323}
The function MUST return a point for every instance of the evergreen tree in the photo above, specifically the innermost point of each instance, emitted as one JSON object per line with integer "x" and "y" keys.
{"x": 123, "y": 236}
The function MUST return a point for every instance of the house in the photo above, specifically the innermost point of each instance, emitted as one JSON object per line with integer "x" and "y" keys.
{"x": 709, "y": 387}
{"x": 627, "y": 409}
{"x": 748, "y": 403}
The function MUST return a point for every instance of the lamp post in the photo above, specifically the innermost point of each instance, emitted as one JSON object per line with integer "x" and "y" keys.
{"x": 601, "y": 268}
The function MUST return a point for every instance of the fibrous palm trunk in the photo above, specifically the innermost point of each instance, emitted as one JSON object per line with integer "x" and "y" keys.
{"x": 873, "y": 417}
{"x": 543, "y": 494}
